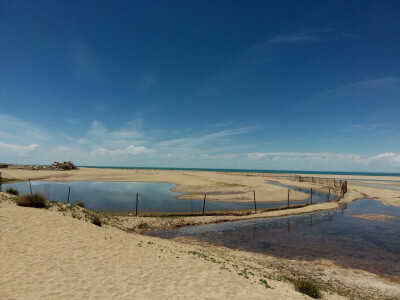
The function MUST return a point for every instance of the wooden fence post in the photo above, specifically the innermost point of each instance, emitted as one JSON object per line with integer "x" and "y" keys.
{"x": 204, "y": 202}
{"x": 329, "y": 194}
{"x": 311, "y": 195}
{"x": 30, "y": 186}
{"x": 0, "y": 181}
{"x": 137, "y": 200}
{"x": 255, "y": 205}
{"x": 288, "y": 194}
{"x": 69, "y": 192}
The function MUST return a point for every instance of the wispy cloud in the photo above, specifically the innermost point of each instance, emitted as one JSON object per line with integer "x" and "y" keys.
{"x": 19, "y": 150}
{"x": 126, "y": 135}
{"x": 294, "y": 38}
{"x": 14, "y": 129}
{"x": 366, "y": 127}
{"x": 376, "y": 90}
{"x": 208, "y": 140}
{"x": 324, "y": 159}
{"x": 126, "y": 152}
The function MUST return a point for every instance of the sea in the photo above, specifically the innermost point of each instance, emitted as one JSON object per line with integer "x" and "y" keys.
{"x": 383, "y": 174}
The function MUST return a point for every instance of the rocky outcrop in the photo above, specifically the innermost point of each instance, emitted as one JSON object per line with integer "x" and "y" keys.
{"x": 66, "y": 165}
{"x": 57, "y": 166}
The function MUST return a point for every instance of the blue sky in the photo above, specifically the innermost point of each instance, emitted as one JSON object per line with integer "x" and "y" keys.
{"x": 298, "y": 85}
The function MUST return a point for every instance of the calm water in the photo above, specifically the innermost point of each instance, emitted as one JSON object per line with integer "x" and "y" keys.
{"x": 121, "y": 196}
{"x": 316, "y": 195}
{"x": 335, "y": 235}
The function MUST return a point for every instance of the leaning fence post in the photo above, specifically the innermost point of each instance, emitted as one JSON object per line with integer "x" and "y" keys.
{"x": 137, "y": 200}
{"x": 329, "y": 194}
{"x": 204, "y": 202}
{"x": 69, "y": 192}
{"x": 311, "y": 195}
{"x": 255, "y": 205}
{"x": 288, "y": 193}
{"x": 30, "y": 186}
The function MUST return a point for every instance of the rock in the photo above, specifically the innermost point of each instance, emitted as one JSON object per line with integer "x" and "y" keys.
{"x": 66, "y": 165}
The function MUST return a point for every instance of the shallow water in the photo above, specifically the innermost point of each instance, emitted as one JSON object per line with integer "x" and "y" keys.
{"x": 317, "y": 196}
{"x": 335, "y": 235}
{"x": 121, "y": 196}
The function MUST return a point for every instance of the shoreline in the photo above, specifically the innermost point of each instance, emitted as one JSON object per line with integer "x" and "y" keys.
{"x": 123, "y": 228}
{"x": 207, "y": 262}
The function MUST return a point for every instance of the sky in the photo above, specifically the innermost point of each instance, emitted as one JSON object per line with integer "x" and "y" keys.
{"x": 274, "y": 85}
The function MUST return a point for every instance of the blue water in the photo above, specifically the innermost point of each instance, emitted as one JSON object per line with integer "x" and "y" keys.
{"x": 335, "y": 235}
{"x": 254, "y": 171}
{"x": 153, "y": 197}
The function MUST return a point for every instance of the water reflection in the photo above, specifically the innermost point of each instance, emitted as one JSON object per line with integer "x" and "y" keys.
{"x": 121, "y": 196}
{"x": 335, "y": 235}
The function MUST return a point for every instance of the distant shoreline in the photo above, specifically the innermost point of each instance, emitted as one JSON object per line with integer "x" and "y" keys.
{"x": 383, "y": 174}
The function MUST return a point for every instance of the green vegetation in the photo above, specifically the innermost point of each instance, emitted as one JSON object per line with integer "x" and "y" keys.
{"x": 265, "y": 283}
{"x": 34, "y": 200}
{"x": 308, "y": 288}
{"x": 81, "y": 203}
{"x": 12, "y": 191}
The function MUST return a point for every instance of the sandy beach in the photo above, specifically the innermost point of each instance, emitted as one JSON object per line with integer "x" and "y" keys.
{"x": 51, "y": 254}
{"x": 229, "y": 187}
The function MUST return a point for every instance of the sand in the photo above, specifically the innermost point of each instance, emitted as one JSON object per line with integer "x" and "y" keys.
{"x": 196, "y": 183}
{"x": 376, "y": 217}
{"x": 48, "y": 256}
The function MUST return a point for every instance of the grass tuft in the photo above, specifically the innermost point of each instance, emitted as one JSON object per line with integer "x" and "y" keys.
{"x": 308, "y": 288}
{"x": 35, "y": 200}
{"x": 143, "y": 225}
{"x": 96, "y": 221}
{"x": 81, "y": 203}
{"x": 12, "y": 191}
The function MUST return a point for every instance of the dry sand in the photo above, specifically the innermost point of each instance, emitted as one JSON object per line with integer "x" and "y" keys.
{"x": 45, "y": 255}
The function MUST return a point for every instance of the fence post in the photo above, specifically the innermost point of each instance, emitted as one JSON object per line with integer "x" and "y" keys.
{"x": 30, "y": 186}
{"x": 0, "y": 181}
{"x": 288, "y": 193}
{"x": 137, "y": 200}
{"x": 255, "y": 205}
{"x": 69, "y": 192}
{"x": 311, "y": 195}
{"x": 329, "y": 194}
{"x": 204, "y": 202}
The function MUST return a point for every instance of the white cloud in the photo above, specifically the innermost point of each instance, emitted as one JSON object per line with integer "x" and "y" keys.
{"x": 21, "y": 151}
{"x": 12, "y": 128}
{"x": 211, "y": 140}
{"x": 293, "y": 38}
{"x": 328, "y": 159}
{"x": 366, "y": 127}
{"x": 129, "y": 151}
{"x": 391, "y": 158}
